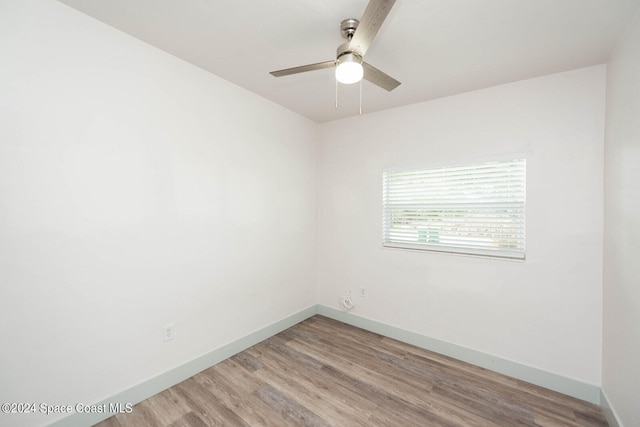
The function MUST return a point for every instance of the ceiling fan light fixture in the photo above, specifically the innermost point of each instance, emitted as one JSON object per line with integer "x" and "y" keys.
{"x": 349, "y": 68}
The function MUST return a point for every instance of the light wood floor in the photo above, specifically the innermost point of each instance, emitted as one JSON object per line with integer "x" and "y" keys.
{"x": 325, "y": 373}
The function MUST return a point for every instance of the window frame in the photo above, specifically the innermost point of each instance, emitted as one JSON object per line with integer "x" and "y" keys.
{"x": 482, "y": 247}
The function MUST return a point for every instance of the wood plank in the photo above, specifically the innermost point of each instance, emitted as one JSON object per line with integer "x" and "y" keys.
{"x": 236, "y": 388}
{"x": 289, "y": 407}
{"x": 318, "y": 392}
{"x": 190, "y": 419}
{"x": 142, "y": 416}
{"x": 206, "y": 405}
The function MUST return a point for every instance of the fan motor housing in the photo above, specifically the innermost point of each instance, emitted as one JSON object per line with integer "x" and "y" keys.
{"x": 343, "y": 51}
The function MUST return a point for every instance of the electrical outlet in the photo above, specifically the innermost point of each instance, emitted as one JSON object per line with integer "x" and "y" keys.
{"x": 168, "y": 332}
{"x": 363, "y": 294}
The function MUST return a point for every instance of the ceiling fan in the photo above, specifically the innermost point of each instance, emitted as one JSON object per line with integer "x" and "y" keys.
{"x": 349, "y": 64}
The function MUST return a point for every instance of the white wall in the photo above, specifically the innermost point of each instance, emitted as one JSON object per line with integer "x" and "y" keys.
{"x": 621, "y": 355}
{"x": 136, "y": 190}
{"x": 544, "y": 312}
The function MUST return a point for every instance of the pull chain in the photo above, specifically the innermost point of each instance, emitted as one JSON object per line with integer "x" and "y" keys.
{"x": 361, "y": 96}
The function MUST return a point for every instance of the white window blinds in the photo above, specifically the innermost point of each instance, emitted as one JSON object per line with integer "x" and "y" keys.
{"x": 474, "y": 209}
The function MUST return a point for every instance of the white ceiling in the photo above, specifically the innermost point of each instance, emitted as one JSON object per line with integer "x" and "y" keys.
{"x": 435, "y": 48}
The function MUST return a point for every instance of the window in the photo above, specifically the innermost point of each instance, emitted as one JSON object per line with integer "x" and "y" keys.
{"x": 476, "y": 209}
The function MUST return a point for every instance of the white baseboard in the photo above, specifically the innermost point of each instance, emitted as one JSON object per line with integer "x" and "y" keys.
{"x": 170, "y": 378}
{"x": 142, "y": 391}
{"x": 609, "y": 412}
{"x": 568, "y": 386}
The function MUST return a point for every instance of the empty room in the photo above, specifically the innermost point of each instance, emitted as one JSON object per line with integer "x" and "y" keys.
{"x": 320, "y": 213}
